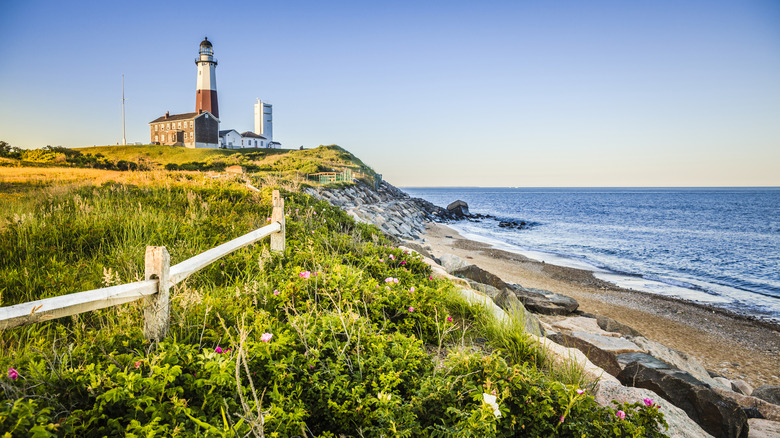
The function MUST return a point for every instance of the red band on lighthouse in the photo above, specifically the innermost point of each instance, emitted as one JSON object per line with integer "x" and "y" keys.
{"x": 206, "y": 100}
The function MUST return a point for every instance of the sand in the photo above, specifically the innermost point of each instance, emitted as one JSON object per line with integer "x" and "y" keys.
{"x": 731, "y": 345}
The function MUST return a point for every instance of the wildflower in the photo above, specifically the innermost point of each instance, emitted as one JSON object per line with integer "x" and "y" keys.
{"x": 621, "y": 415}
{"x": 561, "y": 420}
{"x": 265, "y": 337}
{"x": 296, "y": 210}
{"x": 403, "y": 262}
{"x": 449, "y": 319}
{"x": 138, "y": 364}
{"x": 12, "y": 373}
{"x": 430, "y": 277}
{"x": 392, "y": 257}
{"x": 268, "y": 220}
{"x": 218, "y": 350}
{"x": 395, "y": 280}
{"x": 304, "y": 274}
{"x": 411, "y": 289}
{"x": 648, "y": 401}
{"x": 411, "y": 309}
{"x": 381, "y": 260}
{"x": 491, "y": 401}
{"x": 582, "y": 391}
{"x": 389, "y": 280}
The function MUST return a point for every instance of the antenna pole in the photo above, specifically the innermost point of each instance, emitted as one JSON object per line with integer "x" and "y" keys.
{"x": 124, "y": 139}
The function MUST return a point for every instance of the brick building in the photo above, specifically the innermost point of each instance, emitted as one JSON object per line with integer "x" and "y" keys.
{"x": 192, "y": 130}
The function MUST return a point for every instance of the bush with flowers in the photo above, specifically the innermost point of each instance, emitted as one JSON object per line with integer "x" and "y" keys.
{"x": 341, "y": 335}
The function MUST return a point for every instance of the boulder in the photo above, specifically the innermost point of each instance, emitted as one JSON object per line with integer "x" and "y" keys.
{"x": 680, "y": 360}
{"x": 580, "y": 324}
{"x": 601, "y": 358}
{"x": 767, "y": 410}
{"x": 474, "y": 272}
{"x": 680, "y": 425}
{"x": 484, "y": 288}
{"x": 763, "y": 428}
{"x": 514, "y": 308}
{"x": 768, "y": 393}
{"x": 716, "y": 414}
{"x": 545, "y": 302}
{"x": 611, "y": 325}
{"x": 609, "y": 343}
{"x": 459, "y": 209}
{"x": 451, "y": 262}
{"x": 741, "y": 387}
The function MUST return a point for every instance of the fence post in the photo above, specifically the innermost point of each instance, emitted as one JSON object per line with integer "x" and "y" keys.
{"x": 277, "y": 215}
{"x": 157, "y": 311}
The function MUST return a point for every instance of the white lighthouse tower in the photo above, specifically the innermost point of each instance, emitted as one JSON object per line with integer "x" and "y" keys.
{"x": 206, "y": 97}
{"x": 264, "y": 122}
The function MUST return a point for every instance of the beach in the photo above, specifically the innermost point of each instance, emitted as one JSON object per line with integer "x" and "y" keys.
{"x": 731, "y": 345}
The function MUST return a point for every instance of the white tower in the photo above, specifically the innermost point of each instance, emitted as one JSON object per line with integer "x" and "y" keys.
{"x": 264, "y": 122}
{"x": 206, "y": 94}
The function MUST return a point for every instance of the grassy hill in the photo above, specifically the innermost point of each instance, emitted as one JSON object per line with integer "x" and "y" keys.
{"x": 342, "y": 334}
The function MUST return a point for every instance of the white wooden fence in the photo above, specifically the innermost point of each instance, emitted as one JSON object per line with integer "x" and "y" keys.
{"x": 159, "y": 278}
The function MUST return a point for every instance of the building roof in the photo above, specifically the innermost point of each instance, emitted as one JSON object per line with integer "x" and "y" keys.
{"x": 205, "y": 42}
{"x": 174, "y": 117}
{"x": 251, "y": 134}
{"x": 222, "y": 133}
{"x": 183, "y": 116}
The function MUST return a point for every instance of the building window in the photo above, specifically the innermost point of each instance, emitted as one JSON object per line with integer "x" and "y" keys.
{"x": 179, "y": 125}
{"x": 191, "y": 122}
{"x": 155, "y": 128}
{"x": 168, "y": 126}
{"x": 155, "y": 138}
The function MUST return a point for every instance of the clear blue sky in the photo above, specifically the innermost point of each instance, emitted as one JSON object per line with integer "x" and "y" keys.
{"x": 515, "y": 93}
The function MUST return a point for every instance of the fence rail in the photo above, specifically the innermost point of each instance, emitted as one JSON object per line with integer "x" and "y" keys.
{"x": 159, "y": 278}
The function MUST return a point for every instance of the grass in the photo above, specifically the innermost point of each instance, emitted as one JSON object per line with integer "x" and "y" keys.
{"x": 351, "y": 353}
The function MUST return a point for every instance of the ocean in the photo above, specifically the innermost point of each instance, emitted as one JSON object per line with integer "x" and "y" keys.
{"x": 715, "y": 246}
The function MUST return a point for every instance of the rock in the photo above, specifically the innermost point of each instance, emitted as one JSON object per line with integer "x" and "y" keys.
{"x": 474, "y": 272}
{"x": 769, "y": 393}
{"x": 679, "y": 360}
{"x": 451, "y": 262}
{"x": 509, "y": 302}
{"x": 545, "y": 302}
{"x": 580, "y": 324}
{"x": 484, "y": 288}
{"x": 611, "y": 325}
{"x": 763, "y": 428}
{"x": 459, "y": 209}
{"x": 723, "y": 382}
{"x": 599, "y": 357}
{"x": 609, "y": 343}
{"x": 742, "y": 387}
{"x": 715, "y": 413}
{"x": 643, "y": 358}
{"x": 680, "y": 425}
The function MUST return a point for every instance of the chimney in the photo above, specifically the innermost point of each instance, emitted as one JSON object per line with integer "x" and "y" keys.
{"x": 167, "y": 114}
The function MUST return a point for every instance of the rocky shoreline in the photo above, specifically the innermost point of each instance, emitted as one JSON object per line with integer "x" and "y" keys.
{"x": 707, "y": 402}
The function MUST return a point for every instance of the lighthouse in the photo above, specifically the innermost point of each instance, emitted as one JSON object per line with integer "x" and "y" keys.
{"x": 206, "y": 95}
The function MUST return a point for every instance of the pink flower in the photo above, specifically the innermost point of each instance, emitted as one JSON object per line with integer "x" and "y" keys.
{"x": 621, "y": 415}
{"x": 12, "y": 373}
{"x": 138, "y": 364}
{"x": 389, "y": 280}
{"x": 268, "y": 220}
{"x": 403, "y": 262}
{"x": 276, "y": 292}
{"x": 395, "y": 280}
{"x": 561, "y": 420}
{"x": 305, "y": 275}
{"x": 430, "y": 277}
{"x": 411, "y": 309}
{"x": 265, "y": 337}
{"x": 411, "y": 289}
{"x": 228, "y": 350}
{"x": 381, "y": 260}
{"x": 449, "y": 319}
{"x": 296, "y": 210}
{"x": 392, "y": 257}
{"x": 582, "y": 391}
{"x": 218, "y": 350}
{"x": 648, "y": 401}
